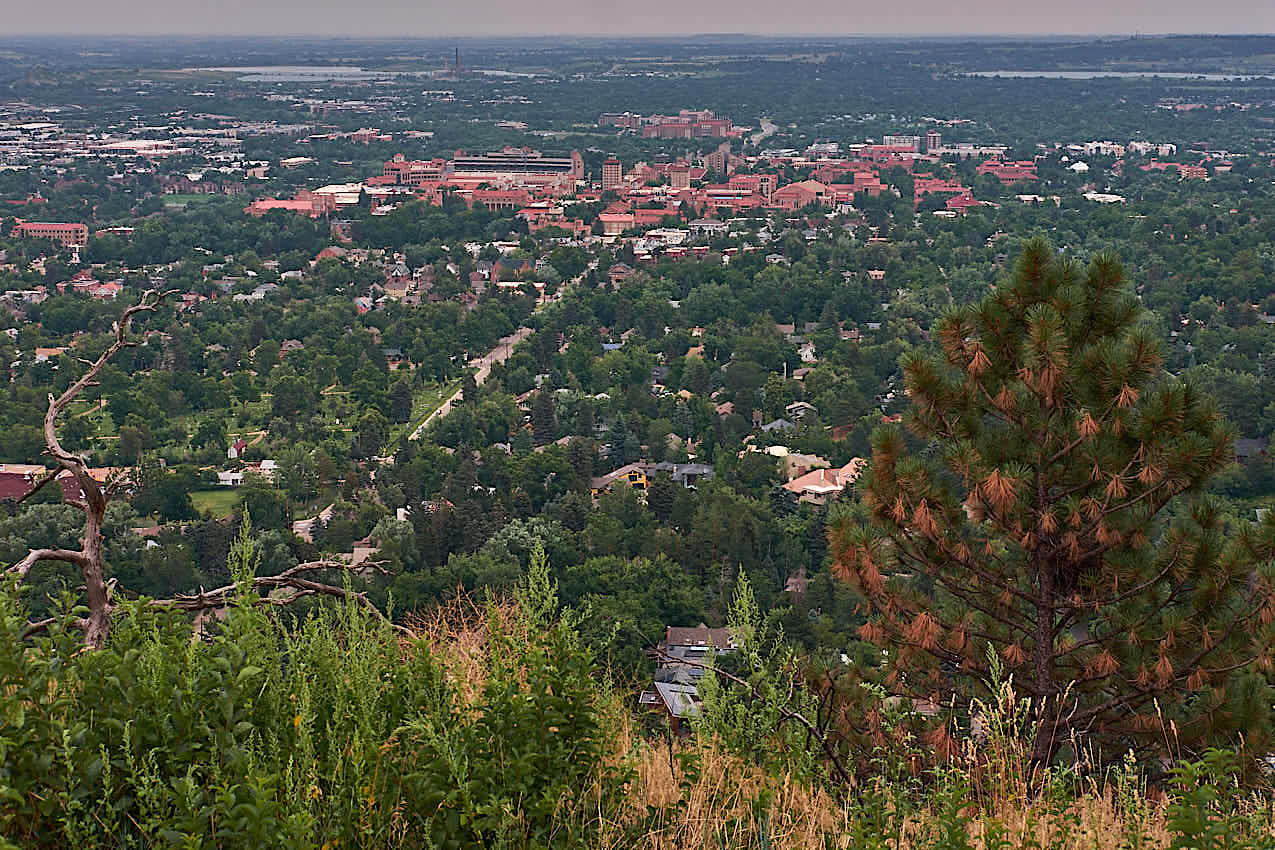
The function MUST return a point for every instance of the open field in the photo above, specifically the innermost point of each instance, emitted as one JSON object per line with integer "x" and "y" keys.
{"x": 220, "y": 502}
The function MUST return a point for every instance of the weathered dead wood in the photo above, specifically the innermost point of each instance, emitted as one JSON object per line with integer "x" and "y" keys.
{"x": 89, "y": 558}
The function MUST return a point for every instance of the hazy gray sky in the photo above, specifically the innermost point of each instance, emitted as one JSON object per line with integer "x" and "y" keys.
{"x": 635, "y": 17}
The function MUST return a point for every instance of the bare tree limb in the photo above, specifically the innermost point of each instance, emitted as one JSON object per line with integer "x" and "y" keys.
{"x": 51, "y": 475}
{"x": 292, "y": 579}
{"x": 38, "y": 626}
{"x": 21, "y": 568}
{"x": 89, "y": 559}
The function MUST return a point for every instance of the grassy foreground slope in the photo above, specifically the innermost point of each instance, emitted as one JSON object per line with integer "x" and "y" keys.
{"x": 489, "y": 725}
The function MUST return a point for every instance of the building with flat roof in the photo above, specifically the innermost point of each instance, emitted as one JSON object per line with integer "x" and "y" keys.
{"x": 65, "y": 233}
{"x": 623, "y": 120}
{"x": 412, "y": 172}
{"x": 519, "y": 161}
{"x": 907, "y": 143}
{"x": 612, "y": 174}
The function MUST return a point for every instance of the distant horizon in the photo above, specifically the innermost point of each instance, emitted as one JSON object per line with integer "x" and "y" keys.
{"x": 634, "y": 36}
{"x": 590, "y": 19}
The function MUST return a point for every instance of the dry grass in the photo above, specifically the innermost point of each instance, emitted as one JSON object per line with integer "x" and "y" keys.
{"x": 718, "y": 811}
{"x": 665, "y": 809}
{"x": 458, "y": 634}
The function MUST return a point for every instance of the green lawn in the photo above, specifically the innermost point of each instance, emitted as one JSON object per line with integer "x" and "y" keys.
{"x": 220, "y": 502}
{"x": 188, "y": 199}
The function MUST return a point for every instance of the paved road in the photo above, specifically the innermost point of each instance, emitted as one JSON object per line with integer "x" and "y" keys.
{"x": 768, "y": 128}
{"x": 304, "y": 528}
{"x": 483, "y": 365}
{"x": 503, "y": 350}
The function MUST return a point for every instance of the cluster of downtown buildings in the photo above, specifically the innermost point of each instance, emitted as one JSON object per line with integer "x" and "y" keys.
{"x": 703, "y": 188}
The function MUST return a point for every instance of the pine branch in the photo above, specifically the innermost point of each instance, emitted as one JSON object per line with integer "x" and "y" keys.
{"x": 951, "y": 588}
{"x": 1134, "y": 591}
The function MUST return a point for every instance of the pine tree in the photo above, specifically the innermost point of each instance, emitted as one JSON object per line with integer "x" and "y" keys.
{"x": 544, "y": 421}
{"x": 401, "y": 400}
{"x": 829, "y": 321}
{"x": 661, "y": 495}
{"x": 617, "y": 438}
{"x": 469, "y": 389}
{"x": 1055, "y": 519}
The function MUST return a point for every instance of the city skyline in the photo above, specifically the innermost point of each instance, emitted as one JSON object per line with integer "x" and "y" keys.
{"x": 503, "y": 18}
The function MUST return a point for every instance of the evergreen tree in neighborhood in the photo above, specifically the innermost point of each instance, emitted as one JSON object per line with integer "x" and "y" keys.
{"x": 617, "y": 440}
{"x": 469, "y": 389}
{"x": 1054, "y": 519}
{"x": 544, "y": 421}
{"x": 661, "y": 495}
{"x": 401, "y": 401}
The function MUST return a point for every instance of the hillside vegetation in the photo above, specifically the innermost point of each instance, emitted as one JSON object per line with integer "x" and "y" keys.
{"x": 492, "y": 726}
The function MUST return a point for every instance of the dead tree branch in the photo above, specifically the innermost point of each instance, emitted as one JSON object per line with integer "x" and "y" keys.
{"x": 89, "y": 559}
{"x": 293, "y": 580}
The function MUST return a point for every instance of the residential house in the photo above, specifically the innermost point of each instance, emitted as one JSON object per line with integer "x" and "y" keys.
{"x": 794, "y": 465}
{"x": 638, "y": 475}
{"x": 633, "y": 474}
{"x": 679, "y": 701}
{"x": 798, "y": 583}
{"x": 686, "y": 474}
{"x": 777, "y": 425}
{"x": 819, "y": 486}
{"x": 799, "y": 410}
{"x": 17, "y": 478}
{"x": 681, "y": 658}
{"x": 620, "y": 272}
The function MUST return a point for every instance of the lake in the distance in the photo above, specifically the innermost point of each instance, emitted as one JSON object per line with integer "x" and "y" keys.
{"x": 300, "y": 73}
{"x": 1097, "y": 74}
{"x": 331, "y": 73}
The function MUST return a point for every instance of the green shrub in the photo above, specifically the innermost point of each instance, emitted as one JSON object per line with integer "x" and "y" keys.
{"x": 332, "y": 732}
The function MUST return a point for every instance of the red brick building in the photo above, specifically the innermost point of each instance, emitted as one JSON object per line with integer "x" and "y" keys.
{"x": 64, "y": 233}
{"x": 1009, "y": 172}
{"x": 612, "y": 174}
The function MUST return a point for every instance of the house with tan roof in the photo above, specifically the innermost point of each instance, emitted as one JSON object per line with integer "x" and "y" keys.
{"x": 819, "y": 486}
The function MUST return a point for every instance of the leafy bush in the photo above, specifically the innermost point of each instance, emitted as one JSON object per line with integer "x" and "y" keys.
{"x": 333, "y": 732}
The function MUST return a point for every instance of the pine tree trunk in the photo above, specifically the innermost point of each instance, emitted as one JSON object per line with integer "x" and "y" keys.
{"x": 1043, "y": 668}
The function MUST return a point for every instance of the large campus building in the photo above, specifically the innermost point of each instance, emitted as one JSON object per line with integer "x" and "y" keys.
{"x": 612, "y": 174}
{"x": 63, "y": 232}
{"x": 510, "y": 162}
